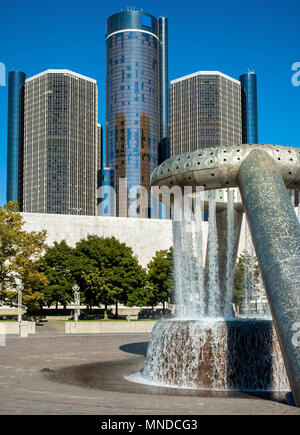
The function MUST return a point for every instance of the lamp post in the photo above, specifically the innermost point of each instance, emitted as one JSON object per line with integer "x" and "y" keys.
{"x": 76, "y": 290}
{"x": 20, "y": 288}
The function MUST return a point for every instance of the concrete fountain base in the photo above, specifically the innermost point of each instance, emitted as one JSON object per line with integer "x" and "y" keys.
{"x": 214, "y": 354}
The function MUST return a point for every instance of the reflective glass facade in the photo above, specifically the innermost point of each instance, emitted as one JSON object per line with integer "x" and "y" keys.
{"x": 164, "y": 115}
{"x": 249, "y": 107}
{"x": 205, "y": 112}
{"x": 16, "y": 80}
{"x": 133, "y": 97}
{"x": 100, "y": 145}
{"x": 61, "y": 155}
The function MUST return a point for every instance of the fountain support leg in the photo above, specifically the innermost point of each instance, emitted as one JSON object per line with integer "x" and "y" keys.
{"x": 275, "y": 233}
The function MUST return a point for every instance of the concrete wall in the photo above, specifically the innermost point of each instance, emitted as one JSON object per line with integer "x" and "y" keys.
{"x": 6, "y": 309}
{"x": 14, "y": 327}
{"x": 144, "y": 236}
{"x": 94, "y": 327}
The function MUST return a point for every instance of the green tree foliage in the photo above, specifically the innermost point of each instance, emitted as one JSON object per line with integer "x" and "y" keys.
{"x": 56, "y": 265}
{"x": 10, "y": 238}
{"x": 107, "y": 271}
{"x": 159, "y": 281}
{"x": 20, "y": 253}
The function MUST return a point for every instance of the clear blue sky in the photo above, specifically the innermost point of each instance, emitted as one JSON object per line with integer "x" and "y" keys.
{"x": 230, "y": 36}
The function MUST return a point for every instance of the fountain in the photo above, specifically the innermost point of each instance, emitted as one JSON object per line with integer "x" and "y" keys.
{"x": 204, "y": 346}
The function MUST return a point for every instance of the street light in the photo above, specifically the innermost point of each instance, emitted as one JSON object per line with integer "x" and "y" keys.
{"x": 76, "y": 290}
{"x": 20, "y": 288}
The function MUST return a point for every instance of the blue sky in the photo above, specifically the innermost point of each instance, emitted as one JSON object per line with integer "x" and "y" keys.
{"x": 230, "y": 36}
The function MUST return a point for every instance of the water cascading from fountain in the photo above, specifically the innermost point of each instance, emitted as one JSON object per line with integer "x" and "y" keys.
{"x": 178, "y": 266}
{"x": 296, "y": 202}
{"x": 247, "y": 289}
{"x": 213, "y": 308}
{"x": 292, "y": 194}
{"x": 188, "y": 269}
{"x": 249, "y": 273}
{"x": 203, "y": 346}
{"x": 230, "y": 248}
{"x": 253, "y": 283}
{"x": 193, "y": 299}
{"x": 200, "y": 269}
{"x": 214, "y": 354}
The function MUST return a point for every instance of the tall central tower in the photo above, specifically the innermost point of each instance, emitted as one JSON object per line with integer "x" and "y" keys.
{"x": 136, "y": 98}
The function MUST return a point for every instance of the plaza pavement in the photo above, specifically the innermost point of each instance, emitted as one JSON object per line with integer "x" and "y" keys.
{"x": 53, "y": 373}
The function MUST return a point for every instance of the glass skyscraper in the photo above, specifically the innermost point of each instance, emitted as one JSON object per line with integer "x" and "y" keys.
{"x": 61, "y": 157}
{"x": 205, "y": 111}
{"x": 249, "y": 107}
{"x": 16, "y": 80}
{"x": 137, "y": 109}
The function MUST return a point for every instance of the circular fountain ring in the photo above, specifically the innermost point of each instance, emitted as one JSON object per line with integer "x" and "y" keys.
{"x": 217, "y": 168}
{"x": 216, "y": 354}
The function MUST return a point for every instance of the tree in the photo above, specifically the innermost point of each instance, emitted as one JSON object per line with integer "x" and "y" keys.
{"x": 56, "y": 265}
{"x": 239, "y": 276}
{"x": 10, "y": 228}
{"x": 160, "y": 281}
{"x": 107, "y": 271}
{"x": 20, "y": 253}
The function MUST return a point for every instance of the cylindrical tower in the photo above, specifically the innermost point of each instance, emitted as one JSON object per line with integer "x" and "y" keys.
{"x": 16, "y": 80}
{"x": 249, "y": 107}
{"x": 133, "y": 92}
{"x": 164, "y": 142}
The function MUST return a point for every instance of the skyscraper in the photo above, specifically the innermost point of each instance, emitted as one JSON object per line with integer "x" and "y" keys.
{"x": 16, "y": 80}
{"x": 164, "y": 113}
{"x": 60, "y": 143}
{"x": 205, "y": 111}
{"x": 249, "y": 107}
{"x": 136, "y": 97}
{"x": 99, "y": 157}
{"x": 100, "y": 144}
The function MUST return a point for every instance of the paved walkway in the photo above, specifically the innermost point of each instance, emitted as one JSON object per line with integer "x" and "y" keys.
{"x": 51, "y": 373}
{"x": 50, "y": 327}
